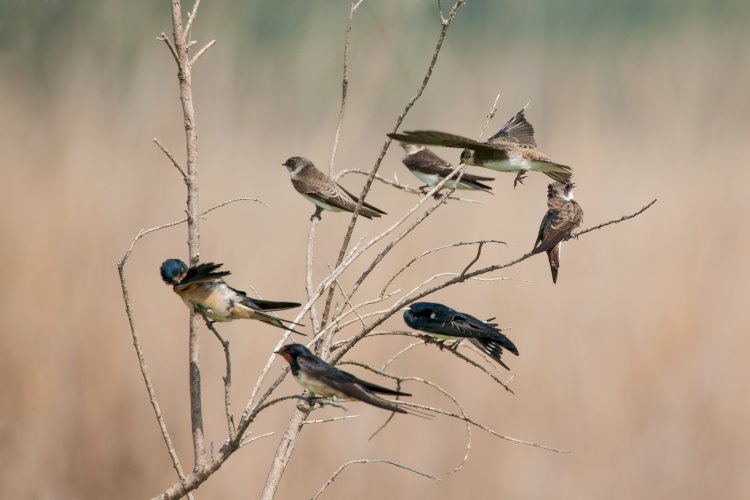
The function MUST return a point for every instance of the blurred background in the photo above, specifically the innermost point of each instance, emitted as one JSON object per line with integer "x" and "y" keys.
{"x": 635, "y": 361}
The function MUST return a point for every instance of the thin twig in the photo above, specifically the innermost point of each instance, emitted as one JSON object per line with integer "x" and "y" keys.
{"x": 172, "y": 159}
{"x": 163, "y": 38}
{"x": 201, "y": 52}
{"x": 615, "y": 221}
{"x": 368, "y": 461}
{"x": 404, "y": 187}
{"x": 227, "y": 380}
{"x": 490, "y": 116}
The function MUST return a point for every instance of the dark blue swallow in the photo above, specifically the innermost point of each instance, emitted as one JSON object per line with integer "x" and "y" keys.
{"x": 325, "y": 380}
{"x": 203, "y": 290}
{"x": 444, "y": 323}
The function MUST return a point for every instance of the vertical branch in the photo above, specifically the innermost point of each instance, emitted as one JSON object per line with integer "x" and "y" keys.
{"x": 184, "y": 75}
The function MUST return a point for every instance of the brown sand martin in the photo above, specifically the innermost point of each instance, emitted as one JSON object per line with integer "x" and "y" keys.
{"x": 431, "y": 169}
{"x": 322, "y": 191}
{"x": 512, "y": 149}
{"x": 563, "y": 215}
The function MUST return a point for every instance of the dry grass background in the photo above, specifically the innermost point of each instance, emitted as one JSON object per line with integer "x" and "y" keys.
{"x": 635, "y": 361}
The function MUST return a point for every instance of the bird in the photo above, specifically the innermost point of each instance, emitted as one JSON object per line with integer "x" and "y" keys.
{"x": 444, "y": 323}
{"x": 511, "y": 149}
{"x": 325, "y": 380}
{"x": 322, "y": 191}
{"x": 564, "y": 214}
{"x": 204, "y": 291}
{"x": 431, "y": 169}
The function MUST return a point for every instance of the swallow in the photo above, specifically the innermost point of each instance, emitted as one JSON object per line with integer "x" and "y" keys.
{"x": 204, "y": 291}
{"x": 564, "y": 214}
{"x": 322, "y": 191}
{"x": 325, "y": 380}
{"x": 511, "y": 149}
{"x": 431, "y": 169}
{"x": 444, "y": 323}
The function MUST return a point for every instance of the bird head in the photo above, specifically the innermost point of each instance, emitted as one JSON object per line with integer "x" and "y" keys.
{"x": 424, "y": 311}
{"x": 173, "y": 271}
{"x": 292, "y": 351}
{"x": 296, "y": 163}
{"x": 467, "y": 157}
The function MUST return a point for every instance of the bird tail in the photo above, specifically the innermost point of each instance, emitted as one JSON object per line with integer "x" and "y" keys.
{"x": 270, "y": 305}
{"x": 284, "y": 324}
{"x": 370, "y": 211}
{"x": 556, "y": 171}
{"x": 554, "y": 261}
{"x": 494, "y": 347}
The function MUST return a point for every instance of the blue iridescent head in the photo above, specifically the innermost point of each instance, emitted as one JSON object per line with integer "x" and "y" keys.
{"x": 173, "y": 271}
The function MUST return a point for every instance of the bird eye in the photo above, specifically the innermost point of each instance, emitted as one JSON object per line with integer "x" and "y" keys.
{"x": 433, "y": 315}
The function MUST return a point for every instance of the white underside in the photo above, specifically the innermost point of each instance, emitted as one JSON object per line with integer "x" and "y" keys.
{"x": 317, "y": 387}
{"x": 324, "y": 206}
{"x": 432, "y": 180}
{"x": 516, "y": 164}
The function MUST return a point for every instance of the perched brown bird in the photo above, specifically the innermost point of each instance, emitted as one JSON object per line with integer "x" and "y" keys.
{"x": 512, "y": 149}
{"x": 431, "y": 169}
{"x": 321, "y": 190}
{"x": 563, "y": 215}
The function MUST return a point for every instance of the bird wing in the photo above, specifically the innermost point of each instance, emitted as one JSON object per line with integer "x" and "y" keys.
{"x": 516, "y": 130}
{"x": 428, "y": 162}
{"x": 435, "y": 138}
{"x": 200, "y": 274}
{"x": 347, "y": 383}
{"x": 561, "y": 219}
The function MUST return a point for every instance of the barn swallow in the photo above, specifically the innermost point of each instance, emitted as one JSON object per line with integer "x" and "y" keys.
{"x": 512, "y": 149}
{"x": 203, "y": 290}
{"x": 431, "y": 169}
{"x": 444, "y": 323}
{"x": 325, "y": 380}
{"x": 563, "y": 215}
{"x": 322, "y": 191}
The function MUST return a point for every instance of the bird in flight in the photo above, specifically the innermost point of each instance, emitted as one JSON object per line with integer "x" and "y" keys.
{"x": 445, "y": 323}
{"x": 511, "y": 149}
{"x": 322, "y": 191}
{"x": 204, "y": 291}
{"x": 564, "y": 214}
{"x": 431, "y": 169}
{"x": 325, "y": 380}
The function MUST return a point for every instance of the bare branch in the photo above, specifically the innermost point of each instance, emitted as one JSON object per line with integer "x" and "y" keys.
{"x": 615, "y": 221}
{"x": 344, "y": 84}
{"x": 163, "y": 38}
{"x": 144, "y": 369}
{"x": 201, "y": 52}
{"x": 490, "y": 116}
{"x": 483, "y": 427}
{"x": 191, "y": 17}
{"x": 332, "y": 419}
{"x": 251, "y": 439}
{"x": 172, "y": 158}
{"x": 368, "y": 461}
{"x": 227, "y": 380}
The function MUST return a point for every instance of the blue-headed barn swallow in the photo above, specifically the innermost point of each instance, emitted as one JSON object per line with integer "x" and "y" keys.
{"x": 204, "y": 291}
{"x": 325, "y": 380}
{"x": 444, "y": 323}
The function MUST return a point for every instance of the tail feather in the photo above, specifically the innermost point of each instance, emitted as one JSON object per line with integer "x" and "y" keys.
{"x": 556, "y": 171}
{"x": 270, "y": 305}
{"x": 278, "y": 322}
{"x": 554, "y": 261}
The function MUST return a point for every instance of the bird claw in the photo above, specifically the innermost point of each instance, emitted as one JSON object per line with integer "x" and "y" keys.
{"x": 316, "y": 214}
{"x": 520, "y": 176}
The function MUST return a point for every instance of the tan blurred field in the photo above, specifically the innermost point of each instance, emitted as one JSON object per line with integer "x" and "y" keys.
{"x": 635, "y": 361}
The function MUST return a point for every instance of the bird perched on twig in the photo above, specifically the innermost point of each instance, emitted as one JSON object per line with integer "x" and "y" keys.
{"x": 564, "y": 214}
{"x": 431, "y": 169}
{"x": 445, "y": 323}
{"x": 511, "y": 149}
{"x": 325, "y": 380}
{"x": 322, "y": 191}
{"x": 204, "y": 291}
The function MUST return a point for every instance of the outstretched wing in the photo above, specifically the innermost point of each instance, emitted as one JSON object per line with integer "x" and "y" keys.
{"x": 516, "y": 130}
{"x": 435, "y": 138}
